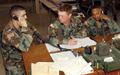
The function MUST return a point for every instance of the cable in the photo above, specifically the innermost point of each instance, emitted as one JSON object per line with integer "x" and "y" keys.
{"x": 104, "y": 69}
{"x": 111, "y": 35}
{"x": 104, "y": 33}
{"x": 97, "y": 72}
{"x": 58, "y": 46}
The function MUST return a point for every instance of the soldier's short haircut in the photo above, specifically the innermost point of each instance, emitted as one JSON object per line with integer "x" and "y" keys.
{"x": 14, "y": 9}
{"x": 95, "y": 6}
{"x": 65, "y": 7}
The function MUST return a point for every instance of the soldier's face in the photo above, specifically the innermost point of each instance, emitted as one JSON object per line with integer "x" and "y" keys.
{"x": 96, "y": 13}
{"x": 64, "y": 17}
{"x": 22, "y": 14}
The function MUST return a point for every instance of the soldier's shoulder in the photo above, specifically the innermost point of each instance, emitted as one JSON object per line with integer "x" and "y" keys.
{"x": 7, "y": 28}
{"x": 55, "y": 24}
{"x": 75, "y": 18}
{"x": 29, "y": 24}
{"x": 90, "y": 18}
{"x": 57, "y": 21}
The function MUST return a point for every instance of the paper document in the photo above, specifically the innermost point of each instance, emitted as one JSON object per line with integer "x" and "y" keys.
{"x": 69, "y": 64}
{"x": 43, "y": 68}
{"x": 89, "y": 69}
{"x": 80, "y": 43}
{"x": 108, "y": 59}
{"x": 72, "y": 66}
{"x": 51, "y": 48}
{"x": 66, "y": 54}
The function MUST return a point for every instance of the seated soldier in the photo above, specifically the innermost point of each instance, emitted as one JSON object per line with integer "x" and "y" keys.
{"x": 18, "y": 35}
{"x": 94, "y": 23}
{"x": 66, "y": 27}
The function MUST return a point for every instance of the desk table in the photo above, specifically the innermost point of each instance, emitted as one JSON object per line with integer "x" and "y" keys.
{"x": 39, "y": 53}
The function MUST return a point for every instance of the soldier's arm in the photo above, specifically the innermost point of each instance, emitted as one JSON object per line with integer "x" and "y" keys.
{"x": 113, "y": 26}
{"x": 87, "y": 25}
{"x": 81, "y": 31}
{"x": 53, "y": 37}
{"x": 36, "y": 39}
{"x": 22, "y": 39}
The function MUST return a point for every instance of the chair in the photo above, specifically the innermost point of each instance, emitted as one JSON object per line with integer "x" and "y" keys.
{"x": 1, "y": 43}
{"x": 2, "y": 49}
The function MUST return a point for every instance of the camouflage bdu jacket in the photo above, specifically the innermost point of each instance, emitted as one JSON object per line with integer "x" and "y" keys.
{"x": 94, "y": 27}
{"x": 15, "y": 41}
{"x": 59, "y": 34}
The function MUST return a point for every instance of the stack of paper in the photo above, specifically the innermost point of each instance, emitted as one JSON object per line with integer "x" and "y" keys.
{"x": 80, "y": 43}
{"x": 67, "y": 54}
{"x": 69, "y": 64}
{"x": 43, "y": 68}
{"x": 51, "y": 48}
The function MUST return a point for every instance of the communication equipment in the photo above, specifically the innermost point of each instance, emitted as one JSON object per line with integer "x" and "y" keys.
{"x": 99, "y": 63}
{"x": 103, "y": 48}
{"x": 15, "y": 18}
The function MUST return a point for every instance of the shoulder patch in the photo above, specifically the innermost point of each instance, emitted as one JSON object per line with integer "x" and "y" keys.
{"x": 85, "y": 22}
{"x": 10, "y": 35}
{"x": 52, "y": 26}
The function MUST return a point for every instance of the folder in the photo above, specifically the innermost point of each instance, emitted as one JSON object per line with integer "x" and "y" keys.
{"x": 43, "y": 68}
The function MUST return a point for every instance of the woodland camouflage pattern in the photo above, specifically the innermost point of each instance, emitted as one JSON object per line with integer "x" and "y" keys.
{"x": 14, "y": 42}
{"x": 59, "y": 34}
{"x": 110, "y": 27}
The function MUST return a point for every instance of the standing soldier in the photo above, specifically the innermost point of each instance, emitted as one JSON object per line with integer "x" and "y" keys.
{"x": 64, "y": 29}
{"x": 110, "y": 4}
{"x": 18, "y": 35}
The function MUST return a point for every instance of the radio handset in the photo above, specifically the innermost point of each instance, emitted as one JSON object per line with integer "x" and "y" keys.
{"x": 15, "y": 18}
{"x": 102, "y": 14}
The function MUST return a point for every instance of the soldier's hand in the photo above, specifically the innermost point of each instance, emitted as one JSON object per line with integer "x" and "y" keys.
{"x": 72, "y": 42}
{"x": 22, "y": 22}
{"x": 103, "y": 16}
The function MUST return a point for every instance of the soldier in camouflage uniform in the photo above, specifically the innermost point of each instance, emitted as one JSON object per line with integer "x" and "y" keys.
{"x": 65, "y": 28}
{"x": 110, "y": 4}
{"x": 95, "y": 22}
{"x": 17, "y": 36}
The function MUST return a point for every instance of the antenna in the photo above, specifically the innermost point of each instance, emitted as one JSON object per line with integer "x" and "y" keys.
{"x": 103, "y": 32}
{"x": 102, "y": 48}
